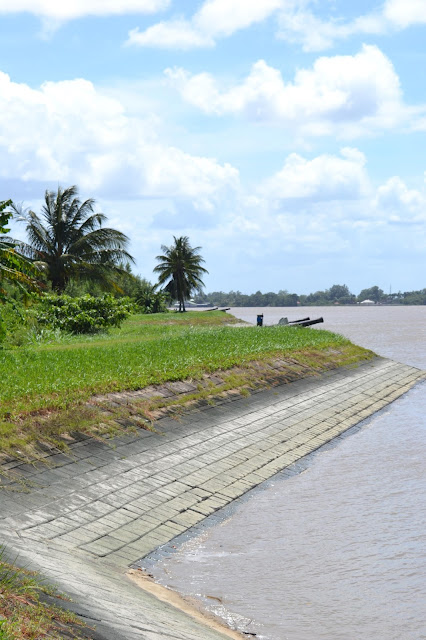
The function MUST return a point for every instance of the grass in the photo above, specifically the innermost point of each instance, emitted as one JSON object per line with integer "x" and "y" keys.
{"x": 23, "y": 613}
{"x": 149, "y": 349}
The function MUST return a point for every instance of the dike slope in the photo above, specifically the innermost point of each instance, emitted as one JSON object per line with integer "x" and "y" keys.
{"x": 93, "y": 513}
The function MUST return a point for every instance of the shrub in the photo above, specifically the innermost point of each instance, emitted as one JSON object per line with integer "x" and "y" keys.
{"x": 15, "y": 322}
{"x": 152, "y": 302}
{"x": 86, "y": 314}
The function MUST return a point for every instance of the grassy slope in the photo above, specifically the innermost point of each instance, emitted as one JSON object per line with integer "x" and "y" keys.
{"x": 146, "y": 350}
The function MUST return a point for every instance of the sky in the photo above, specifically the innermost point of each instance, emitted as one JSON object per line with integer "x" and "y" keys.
{"x": 286, "y": 138}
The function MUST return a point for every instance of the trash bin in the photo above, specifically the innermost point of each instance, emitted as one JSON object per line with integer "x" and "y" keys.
{"x": 259, "y": 321}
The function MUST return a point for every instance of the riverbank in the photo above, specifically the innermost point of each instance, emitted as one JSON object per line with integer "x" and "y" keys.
{"x": 99, "y": 509}
{"x": 190, "y": 607}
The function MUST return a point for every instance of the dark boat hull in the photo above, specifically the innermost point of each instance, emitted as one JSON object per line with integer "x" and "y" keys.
{"x": 307, "y": 323}
{"x": 297, "y": 321}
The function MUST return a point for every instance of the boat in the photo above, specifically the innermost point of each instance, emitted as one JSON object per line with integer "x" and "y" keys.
{"x": 296, "y": 321}
{"x": 306, "y": 323}
{"x": 191, "y": 304}
{"x": 283, "y": 322}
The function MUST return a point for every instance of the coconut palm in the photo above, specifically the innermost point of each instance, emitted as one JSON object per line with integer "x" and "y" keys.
{"x": 68, "y": 240}
{"x": 13, "y": 266}
{"x": 180, "y": 270}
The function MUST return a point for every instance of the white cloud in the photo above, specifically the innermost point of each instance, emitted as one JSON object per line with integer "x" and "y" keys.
{"x": 343, "y": 95}
{"x": 221, "y": 18}
{"x": 71, "y": 9}
{"x": 174, "y": 34}
{"x": 70, "y": 133}
{"x": 215, "y": 19}
{"x": 399, "y": 204}
{"x": 302, "y": 26}
{"x": 404, "y": 13}
{"x": 298, "y": 23}
{"x": 325, "y": 177}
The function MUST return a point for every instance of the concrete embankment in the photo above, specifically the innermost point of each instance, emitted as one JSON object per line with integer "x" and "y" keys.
{"x": 95, "y": 512}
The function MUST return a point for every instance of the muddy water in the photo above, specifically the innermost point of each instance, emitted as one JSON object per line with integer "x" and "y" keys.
{"x": 337, "y": 552}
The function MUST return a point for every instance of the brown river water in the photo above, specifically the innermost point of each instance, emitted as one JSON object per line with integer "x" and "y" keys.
{"x": 336, "y": 552}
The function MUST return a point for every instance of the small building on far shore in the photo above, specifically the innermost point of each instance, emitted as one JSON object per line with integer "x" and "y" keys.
{"x": 367, "y": 302}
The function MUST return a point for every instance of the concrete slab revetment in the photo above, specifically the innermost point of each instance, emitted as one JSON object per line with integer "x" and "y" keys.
{"x": 101, "y": 508}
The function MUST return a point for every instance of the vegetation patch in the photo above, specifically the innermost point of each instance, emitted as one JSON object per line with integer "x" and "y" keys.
{"x": 47, "y": 387}
{"x": 86, "y": 314}
{"x": 28, "y": 609}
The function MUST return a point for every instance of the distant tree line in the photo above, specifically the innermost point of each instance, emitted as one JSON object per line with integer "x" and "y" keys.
{"x": 337, "y": 294}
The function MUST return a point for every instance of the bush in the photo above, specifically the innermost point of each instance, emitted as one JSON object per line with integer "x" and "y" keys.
{"x": 154, "y": 302}
{"x": 15, "y": 322}
{"x": 86, "y": 314}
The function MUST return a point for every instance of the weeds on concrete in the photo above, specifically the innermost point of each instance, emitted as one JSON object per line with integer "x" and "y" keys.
{"x": 23, "y": 615}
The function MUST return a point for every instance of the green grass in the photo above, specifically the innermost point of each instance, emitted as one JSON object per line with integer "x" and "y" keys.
{"x": 41, "y": 379}
{"x": 147, "y": 350}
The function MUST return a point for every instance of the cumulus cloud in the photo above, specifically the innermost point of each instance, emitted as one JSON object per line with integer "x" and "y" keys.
{"x": 325, "y": 177}
{"x": 71, "y": 9}
{"x": 71, "y": 133}
{"x": 215, "y": 19}
{"x": 397, "y": 203}
{"x": 343, "y": 95}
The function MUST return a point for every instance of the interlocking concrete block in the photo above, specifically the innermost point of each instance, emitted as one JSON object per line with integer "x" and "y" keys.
{"x": 111, "y": 507}
{"x": 187, "y": 518}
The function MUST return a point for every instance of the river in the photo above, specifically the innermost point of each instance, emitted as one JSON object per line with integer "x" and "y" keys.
{"x": 338, "y": 551}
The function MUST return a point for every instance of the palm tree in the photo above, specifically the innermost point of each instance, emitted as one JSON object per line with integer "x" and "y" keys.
{"x": 180, "y": 269}
{"x": 68, "y": 241}
{"x": 13, "y": 266}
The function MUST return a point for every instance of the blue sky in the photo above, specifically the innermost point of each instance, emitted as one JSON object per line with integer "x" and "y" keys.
{"x": 284, "y": 137}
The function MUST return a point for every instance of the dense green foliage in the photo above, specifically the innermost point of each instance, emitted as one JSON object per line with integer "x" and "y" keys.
{"x": 4, "y": 216}
{"x": 13, "y": 266}
{"x": 68, "y": 240}
{"x": 180, "y": 270}
{"x": 337, "y": 294}
{"x": 15, "y": 322}
{"x": 411, "y": 297}
{"x": 258, "y": 299}
{"x": 148, "y": 299}
{"x": 148, "y": 349}
{"x": 144, "y": 294}
{"x": 14, "y": 269}
{"x": 83, "y": 315}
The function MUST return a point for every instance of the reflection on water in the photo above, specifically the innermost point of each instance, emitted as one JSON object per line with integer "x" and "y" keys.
{"x": 337, "y": 552}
